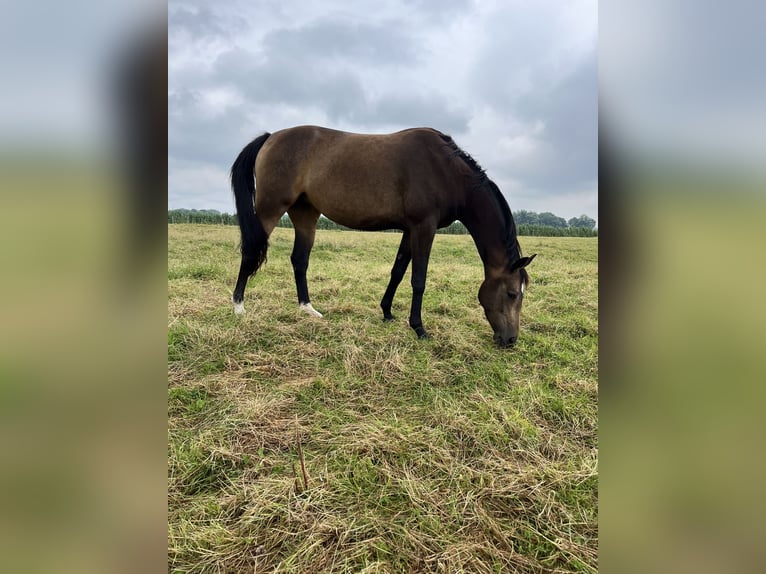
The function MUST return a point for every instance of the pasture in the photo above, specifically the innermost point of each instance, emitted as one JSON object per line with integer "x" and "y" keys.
{"x": 345, "y": 444}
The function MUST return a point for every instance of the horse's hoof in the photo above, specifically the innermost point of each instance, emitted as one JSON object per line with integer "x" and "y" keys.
{"x": 422, "y": 333}
{"x": 239, "y": 308}
{"x": 388, "y": 318}
{"x": 309, "y": 310}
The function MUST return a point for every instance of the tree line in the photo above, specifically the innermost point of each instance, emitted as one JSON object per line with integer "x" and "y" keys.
{"x": 528, "y": 223}
{"x": 548, "y": 219}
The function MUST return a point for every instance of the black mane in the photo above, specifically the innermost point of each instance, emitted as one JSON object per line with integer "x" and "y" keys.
{"x": 481, "y": 180}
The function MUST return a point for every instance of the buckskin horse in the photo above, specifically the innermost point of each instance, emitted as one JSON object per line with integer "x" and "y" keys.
{"x": 416, "y": 180}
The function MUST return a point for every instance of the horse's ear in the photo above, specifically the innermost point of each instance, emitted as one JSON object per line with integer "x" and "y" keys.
{"x": 523, "y": 262}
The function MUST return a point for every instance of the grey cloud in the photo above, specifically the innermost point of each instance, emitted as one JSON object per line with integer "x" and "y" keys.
{"x": 182, "y": 101}
{"x": 280, "y": 77}
{"x": 200, "y": 22}
{"x": 379, "y": 44}
{"x": 195, "y": 135}
{"x": 439, "y": 10}
{"x": 415, "y": 110}
{"x": 569, "y": 111}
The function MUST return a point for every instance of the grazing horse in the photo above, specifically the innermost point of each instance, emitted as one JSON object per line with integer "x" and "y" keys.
{"x": 416, "y": 180}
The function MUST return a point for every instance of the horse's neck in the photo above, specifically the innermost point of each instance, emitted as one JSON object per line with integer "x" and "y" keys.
{"x": 486, "y": 224}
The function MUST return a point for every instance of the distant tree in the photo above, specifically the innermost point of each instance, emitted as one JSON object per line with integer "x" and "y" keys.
{"x": 551, "y": 220}
{"x": 523, "y": 217}
{"x": 582, "y": 221}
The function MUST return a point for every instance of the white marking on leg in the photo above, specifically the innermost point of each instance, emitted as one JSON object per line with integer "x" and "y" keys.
{"x": 307, "y": 308}
{"x": 522, "y": 287}
{"x": 239, "y": 308}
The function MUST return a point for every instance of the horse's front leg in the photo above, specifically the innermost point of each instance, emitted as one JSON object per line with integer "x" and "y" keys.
{"x": 421, "y": 240}
{"x": 401, "y": 263}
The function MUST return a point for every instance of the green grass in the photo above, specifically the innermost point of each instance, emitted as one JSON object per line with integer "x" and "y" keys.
{"x": 443, "y": 455}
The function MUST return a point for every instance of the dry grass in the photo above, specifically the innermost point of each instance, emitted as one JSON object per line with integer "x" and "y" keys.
{"x": 446, "y": 455}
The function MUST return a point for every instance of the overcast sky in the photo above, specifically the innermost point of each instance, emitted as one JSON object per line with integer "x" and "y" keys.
{"x": 513, "y": 81}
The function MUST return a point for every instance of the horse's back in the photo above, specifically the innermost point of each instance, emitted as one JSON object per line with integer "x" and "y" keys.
{"x": 313, "y": 143}
{"x": 358, "y": 180}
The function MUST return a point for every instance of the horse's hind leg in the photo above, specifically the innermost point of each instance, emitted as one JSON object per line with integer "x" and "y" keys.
{"x": 304, "y": 218}
{"x": 401, "y": 263}
{"x": 248, "y": 266}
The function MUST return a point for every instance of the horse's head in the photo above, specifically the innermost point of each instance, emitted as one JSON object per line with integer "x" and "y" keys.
{"x": 501, "y": 296}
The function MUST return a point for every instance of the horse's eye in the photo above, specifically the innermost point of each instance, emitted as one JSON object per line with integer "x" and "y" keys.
{"x": 512, "y": 296}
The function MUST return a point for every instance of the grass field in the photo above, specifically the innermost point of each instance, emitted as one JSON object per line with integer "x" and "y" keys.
{"x": 345, "y": 444}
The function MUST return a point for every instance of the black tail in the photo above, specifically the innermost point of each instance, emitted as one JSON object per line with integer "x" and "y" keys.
{"x": 254, "y": 239}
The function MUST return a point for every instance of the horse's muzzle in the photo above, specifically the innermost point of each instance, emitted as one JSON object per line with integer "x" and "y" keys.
{"x": 504, "y": 341}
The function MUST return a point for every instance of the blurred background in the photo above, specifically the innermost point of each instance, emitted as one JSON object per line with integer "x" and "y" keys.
{"x": 681, "y": 175}
{"x": 83, "y": 175}
{"x": 82, "y": 298}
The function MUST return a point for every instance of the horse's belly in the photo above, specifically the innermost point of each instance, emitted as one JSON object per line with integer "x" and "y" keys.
{"x": 368, "y": 222}
{"x": 359, "y": 210}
